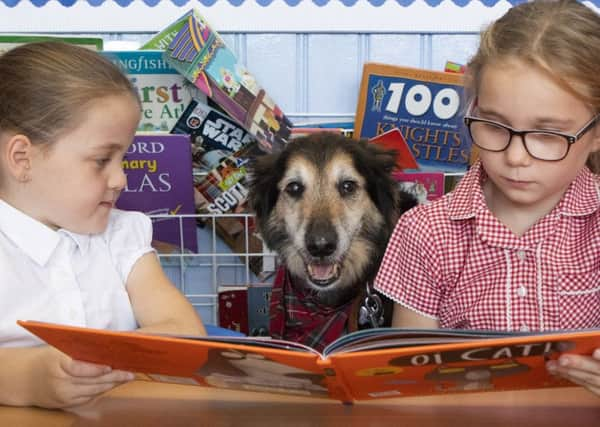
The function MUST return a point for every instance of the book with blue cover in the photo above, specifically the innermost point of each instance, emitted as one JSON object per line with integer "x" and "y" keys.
{"x": 425, "y": 105}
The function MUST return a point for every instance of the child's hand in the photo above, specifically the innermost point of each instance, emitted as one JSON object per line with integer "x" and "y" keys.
{"x": 582, "y": 370}
{"x": 57, "y": 381}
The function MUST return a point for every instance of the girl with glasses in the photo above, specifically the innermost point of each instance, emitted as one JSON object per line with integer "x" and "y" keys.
{"x": 516, "y": 246}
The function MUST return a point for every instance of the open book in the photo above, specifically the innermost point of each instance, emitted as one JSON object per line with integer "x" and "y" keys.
{"x": 369, "y": 364}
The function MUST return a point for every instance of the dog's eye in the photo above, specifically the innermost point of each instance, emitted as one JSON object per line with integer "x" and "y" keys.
{"x": 348, "y": 188}
{"x": 294, "y": 189}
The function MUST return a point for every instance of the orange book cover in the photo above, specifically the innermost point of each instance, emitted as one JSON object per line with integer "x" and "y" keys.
{"x": 425, "y": 105}
{"x": 369, "y": 364}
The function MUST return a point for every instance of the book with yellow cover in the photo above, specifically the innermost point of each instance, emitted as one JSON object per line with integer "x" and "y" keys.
{"x": 369, "y": 364}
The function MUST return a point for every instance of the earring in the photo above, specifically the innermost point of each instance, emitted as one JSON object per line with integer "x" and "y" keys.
{"x": 25, "y": 178}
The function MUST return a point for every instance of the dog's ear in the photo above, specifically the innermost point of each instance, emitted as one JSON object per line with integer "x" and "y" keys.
{"x": 264, "y": 174}
{"x": 377, "y": 164}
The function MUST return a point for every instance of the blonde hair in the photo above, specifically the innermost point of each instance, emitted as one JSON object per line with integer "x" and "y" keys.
{"x": 560, "y": 37}
{"x": 46, "y": 87}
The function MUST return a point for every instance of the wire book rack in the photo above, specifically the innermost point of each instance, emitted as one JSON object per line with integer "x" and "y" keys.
{"x": 216, "y": 265}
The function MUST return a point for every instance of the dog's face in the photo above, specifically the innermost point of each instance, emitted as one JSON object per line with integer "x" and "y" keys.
{"x": 327, "y": 205}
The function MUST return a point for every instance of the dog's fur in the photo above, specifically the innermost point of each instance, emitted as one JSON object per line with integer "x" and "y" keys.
{"x": 327, "y": 205}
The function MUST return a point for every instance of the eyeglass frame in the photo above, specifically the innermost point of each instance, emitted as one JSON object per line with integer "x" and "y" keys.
{"x": 570, "y": 138}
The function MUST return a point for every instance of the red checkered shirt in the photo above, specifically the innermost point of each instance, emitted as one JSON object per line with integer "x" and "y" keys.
{"x": 453, "y": 261}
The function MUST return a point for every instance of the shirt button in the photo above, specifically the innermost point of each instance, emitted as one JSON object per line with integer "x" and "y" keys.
{"x": 521, "y": 255}
{"x": 524, "y": 328}
{"x": 522, "y": 291}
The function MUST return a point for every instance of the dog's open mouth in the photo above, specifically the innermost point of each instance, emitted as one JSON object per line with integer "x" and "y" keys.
{"x": 323, "y": 274}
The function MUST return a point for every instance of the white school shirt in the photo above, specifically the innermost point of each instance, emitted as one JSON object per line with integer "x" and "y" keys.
{"x": 64, "y": 277}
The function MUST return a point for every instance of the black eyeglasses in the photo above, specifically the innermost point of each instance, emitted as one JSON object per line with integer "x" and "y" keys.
{"x": 540, "y": 144}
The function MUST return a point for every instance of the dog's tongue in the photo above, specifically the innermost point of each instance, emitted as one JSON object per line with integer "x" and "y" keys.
{"x": 322, "y": 271}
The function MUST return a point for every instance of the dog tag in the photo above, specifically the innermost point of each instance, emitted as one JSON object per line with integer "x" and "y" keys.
{"x": 371, "y": 311}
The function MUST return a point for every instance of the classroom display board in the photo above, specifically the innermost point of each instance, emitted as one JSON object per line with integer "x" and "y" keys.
{"x": 249, "y": 15}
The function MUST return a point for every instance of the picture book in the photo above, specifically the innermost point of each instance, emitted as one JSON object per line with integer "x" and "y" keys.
{"x": 425, "y": 105}
{"x": 451, "y": 180}
{"x": 163, "y": 92}
{"x": 8, "y": 41}
{"x": 214, "y": 135}
{"x": 198, "y": 52}
{"x": 160, "y": 184}
{"x": 223, "y": 191}
{"x": 394, "y": 140}
{"x": 346, "y": 128}
{"x": 233, "y": 308}
{"x": 245, "y": 308}
{"x": 426, "y": 186}
{"x": 299, "y": 132}
{"x": 259, "y": 296}
{"x": 364, "y": 365}
{"x": 454, "y": 67}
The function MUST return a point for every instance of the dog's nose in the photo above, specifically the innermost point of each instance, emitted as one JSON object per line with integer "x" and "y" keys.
{"x": 321, "y": 240}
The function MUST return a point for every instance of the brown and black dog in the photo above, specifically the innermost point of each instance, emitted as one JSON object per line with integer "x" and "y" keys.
{"x": 327, "y": 204}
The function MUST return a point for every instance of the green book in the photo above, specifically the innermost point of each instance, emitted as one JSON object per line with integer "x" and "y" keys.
{"x": 8, "y": 41}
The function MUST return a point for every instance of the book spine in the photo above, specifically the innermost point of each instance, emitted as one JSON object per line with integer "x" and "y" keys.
{"x": 338, "y": 388}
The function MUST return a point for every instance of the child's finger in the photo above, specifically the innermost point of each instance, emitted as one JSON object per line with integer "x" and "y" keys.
{"x": 580, "y": 363}
{"x": 115, "y": 376}
{"x": 77, "y": 368}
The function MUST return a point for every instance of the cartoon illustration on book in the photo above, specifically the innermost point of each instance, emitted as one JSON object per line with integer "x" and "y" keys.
{"x": 473, "y": 377}
{"x": 244, "y": 370}
{"x": 201, "y": 55}
{"x": 378, "y": 92}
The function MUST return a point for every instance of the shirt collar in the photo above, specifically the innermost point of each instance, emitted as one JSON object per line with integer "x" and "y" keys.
{"x": 467, "y": 198}
{"x": 581, "y": 198}
{"x": 35, "y": 239}
{"x": 583, "y": 195}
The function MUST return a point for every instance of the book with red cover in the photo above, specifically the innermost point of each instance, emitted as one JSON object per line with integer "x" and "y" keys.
{"x": 364, "y": 365}
{"x": 233, "y": 308}
{"x": 431, "y": 184}
{"x": 393, "y": 140}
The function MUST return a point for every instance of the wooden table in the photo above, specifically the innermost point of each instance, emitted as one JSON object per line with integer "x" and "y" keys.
{"x": 152, "y": 404}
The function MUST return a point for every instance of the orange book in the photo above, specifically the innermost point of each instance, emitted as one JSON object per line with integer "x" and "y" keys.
{"x": 369, "y": 364}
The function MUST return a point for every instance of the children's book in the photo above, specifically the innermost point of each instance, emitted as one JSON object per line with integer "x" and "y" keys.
{"x": 299, "y": 132}
{"x": 426, "y": 186}
{"x": 160, "y": 184}
{"x": 394, "y": 140}
{"x": 214, "y": 135}
{"x": 259, "y": 296}
{"x": 163, "y": 92}
{"x": 365, "y": 365}
{"x": 233, "y": 308}
{"x": 425, "y": 105}
{"x": 454, "y": 67}
{"x": 198, "y": 52}
{"x": 223, "y": 191}
{"x": 8, "y": 41}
